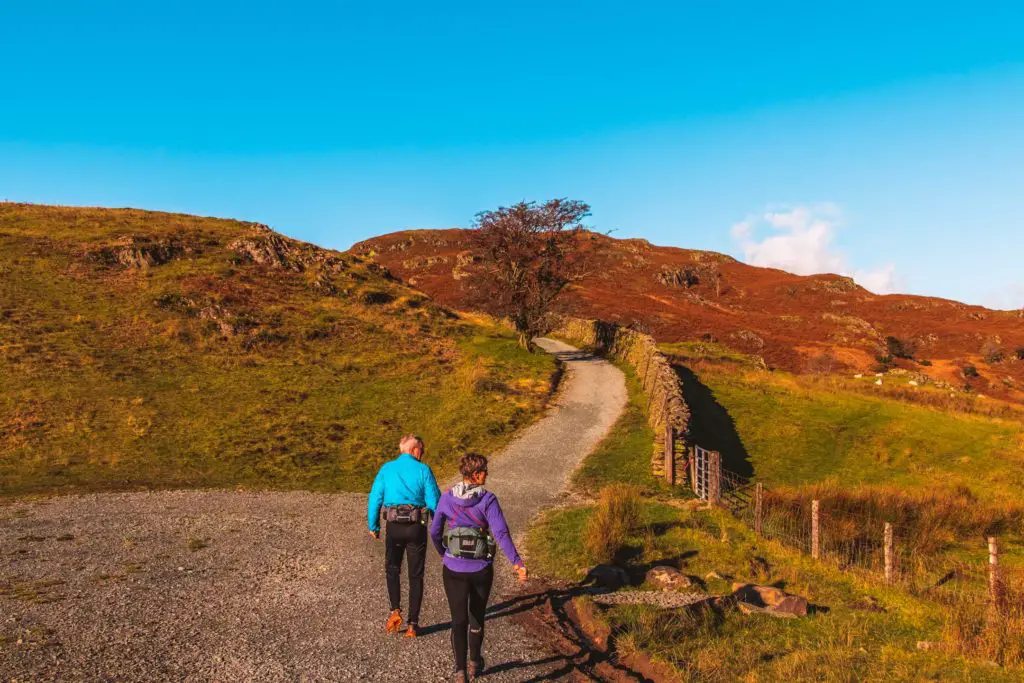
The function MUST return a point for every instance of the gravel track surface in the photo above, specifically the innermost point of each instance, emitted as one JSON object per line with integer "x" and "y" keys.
{"x": 233, "y": 586}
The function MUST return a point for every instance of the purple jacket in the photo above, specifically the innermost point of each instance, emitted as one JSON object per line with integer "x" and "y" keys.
{"x": 479, "y": 510}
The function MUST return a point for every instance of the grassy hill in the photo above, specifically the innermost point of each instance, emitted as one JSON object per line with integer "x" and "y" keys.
{"x": 795, "y": 323}
{"x": 142, "y": 349}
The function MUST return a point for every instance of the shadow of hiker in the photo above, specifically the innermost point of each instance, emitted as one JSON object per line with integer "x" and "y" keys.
{"x": 711, "y": 426}
{"x": 583, "y": 657}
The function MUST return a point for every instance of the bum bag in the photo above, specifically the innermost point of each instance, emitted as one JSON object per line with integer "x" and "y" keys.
{"x": 405, "y": 514}
{"x": 469, "y": 542}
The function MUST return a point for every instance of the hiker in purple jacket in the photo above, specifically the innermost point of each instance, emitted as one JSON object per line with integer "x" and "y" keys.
{"x": 475, "y": 525}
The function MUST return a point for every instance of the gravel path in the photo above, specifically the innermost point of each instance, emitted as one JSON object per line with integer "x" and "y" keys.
{"x": 232, "y": 586}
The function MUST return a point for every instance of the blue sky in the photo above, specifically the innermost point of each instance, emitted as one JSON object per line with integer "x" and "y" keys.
{"x": 882, "y": 140}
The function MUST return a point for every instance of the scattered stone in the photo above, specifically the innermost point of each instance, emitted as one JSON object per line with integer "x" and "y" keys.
{"x": 793, "y": 605}
{"x": 663, "y": 599}
{"x": 768, "y": 599}
{"x": 668, "y": 578}
{"x": 858, "y": 376}
{"x": 878, "y": 382}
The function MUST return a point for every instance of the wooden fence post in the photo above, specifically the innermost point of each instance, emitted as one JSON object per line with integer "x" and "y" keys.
{"x": 888, "y": 552}
{"x": 716, "y": 477}
{"x": 759, "y": 509}
{"x": 994, "y": 589}
{"x": 670, "y": 453}
{"x": 815, "y": 529}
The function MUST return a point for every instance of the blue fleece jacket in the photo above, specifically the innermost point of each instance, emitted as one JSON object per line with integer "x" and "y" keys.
{"x": 402, "y": 481}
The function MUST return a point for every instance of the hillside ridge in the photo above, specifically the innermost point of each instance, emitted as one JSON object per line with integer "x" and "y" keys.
{"x": 815, "y": 323}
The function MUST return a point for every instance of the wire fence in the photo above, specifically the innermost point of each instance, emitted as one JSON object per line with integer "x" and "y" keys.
{"x": 903, "y": 546}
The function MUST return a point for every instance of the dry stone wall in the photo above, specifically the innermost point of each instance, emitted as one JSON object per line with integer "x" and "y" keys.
{"x": 662, "y": 387}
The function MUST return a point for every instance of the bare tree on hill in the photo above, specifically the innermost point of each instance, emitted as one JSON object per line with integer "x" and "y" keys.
{"x": 528, "y": 255}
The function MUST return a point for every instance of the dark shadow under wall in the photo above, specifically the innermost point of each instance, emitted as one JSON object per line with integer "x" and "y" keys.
{"x": 711, "y": 426}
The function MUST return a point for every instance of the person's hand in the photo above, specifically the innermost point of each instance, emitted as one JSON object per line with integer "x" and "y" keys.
{"x": 521, "y": 572}
{"x": 375, "y": 535}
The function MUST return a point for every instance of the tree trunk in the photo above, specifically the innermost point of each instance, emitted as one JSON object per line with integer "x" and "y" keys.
{"x": 526, "y": 341}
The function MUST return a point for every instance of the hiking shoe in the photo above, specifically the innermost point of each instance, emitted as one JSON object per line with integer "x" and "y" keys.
{"x": 412, "y": 631}
{"x": 394, "y": 622}
{"x": 476, "y": 669}
{"x": 459, "y": 676}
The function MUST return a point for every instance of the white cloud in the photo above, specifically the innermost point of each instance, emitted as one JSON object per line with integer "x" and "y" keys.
{"x": 801, "y": 243}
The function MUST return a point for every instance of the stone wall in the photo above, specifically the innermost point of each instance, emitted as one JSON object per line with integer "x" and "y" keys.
{"x": 662, "y": 387}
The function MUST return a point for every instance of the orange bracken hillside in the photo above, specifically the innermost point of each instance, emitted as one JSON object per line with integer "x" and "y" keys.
{"x": 813, "y": 323}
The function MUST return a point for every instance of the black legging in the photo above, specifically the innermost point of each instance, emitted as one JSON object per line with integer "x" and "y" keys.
{"x": 411, "y": 540}
{"x": 467, "y": 599}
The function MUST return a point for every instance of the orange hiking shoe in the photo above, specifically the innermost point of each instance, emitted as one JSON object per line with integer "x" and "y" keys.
{"x": 412, "y": 631}
{"x": 394, "y": 622}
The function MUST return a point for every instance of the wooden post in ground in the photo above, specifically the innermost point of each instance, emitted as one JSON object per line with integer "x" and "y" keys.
{"x": 716, "y": 477}
{"x": 815, "y": 531}
{"x": 994, "y": 589}
{"x": 670, "y": 453}
{"x": 888, "y": 553}
{"x": 759, "y": 509}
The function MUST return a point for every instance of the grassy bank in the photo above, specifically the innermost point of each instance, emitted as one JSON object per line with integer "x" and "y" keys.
{"x": 795, "y": 430}
{"x": 143, "y": 350}
{"x": 858, "y": 628}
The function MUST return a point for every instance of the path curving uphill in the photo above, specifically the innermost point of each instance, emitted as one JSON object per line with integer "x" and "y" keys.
{"x": 239, "y": 586}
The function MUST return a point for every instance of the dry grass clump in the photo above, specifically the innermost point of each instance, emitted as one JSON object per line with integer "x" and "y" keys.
{"x": 975, "y": 628}
{"x": 615, "y": 519}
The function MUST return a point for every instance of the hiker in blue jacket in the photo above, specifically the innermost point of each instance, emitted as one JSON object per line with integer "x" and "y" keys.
{"x": 405, "y": 487}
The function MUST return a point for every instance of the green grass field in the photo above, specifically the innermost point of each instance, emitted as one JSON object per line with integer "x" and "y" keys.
{"x": 213, "y": 370}
{"x": 793, "y": 431}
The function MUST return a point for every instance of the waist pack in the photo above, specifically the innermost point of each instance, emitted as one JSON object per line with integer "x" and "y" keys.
{"x": 469, "y": 542}
{"x": 405, "y": 514}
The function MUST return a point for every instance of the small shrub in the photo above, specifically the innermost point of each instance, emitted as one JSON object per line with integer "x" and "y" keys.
{"x": 616, "y": 517}
{"x": 377, "y": 298}
{"x": 926, "y": 363}
{"x": 898, "y": 348}
{"x": 1020, "y": 353}
{"x": 992, "y": 352}
{"x": 971, "y": 371}
{"x": 883, "y": 363}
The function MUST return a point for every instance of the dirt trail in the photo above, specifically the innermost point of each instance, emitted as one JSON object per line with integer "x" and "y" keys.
{"x": 230, "y": 586}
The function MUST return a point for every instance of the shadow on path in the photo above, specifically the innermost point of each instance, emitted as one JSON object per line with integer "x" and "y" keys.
{"x": 711, "y": 426}
{"x": 550, "y": 610}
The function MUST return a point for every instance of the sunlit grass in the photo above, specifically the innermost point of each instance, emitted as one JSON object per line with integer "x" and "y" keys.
{"x": 124, "y": 378}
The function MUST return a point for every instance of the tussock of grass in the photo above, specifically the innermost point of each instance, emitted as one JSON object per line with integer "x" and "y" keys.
{"x": 212, "y": 370}
{"x": 616, "y": 516}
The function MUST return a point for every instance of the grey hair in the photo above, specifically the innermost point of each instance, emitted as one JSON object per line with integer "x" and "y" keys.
{"x": 409, "y": 442}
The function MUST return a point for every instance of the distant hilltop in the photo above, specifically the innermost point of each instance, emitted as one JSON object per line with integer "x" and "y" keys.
{"x": 817, "y": 323}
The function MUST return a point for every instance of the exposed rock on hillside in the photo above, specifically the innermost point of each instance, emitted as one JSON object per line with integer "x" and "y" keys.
{"x": 136, "y": 251}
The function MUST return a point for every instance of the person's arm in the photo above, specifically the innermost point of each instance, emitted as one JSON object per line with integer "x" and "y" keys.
{"x": 499, "y": 529}
{"x": 431, "y": 493}
{"x": 437, "y": 529}
{"x": 375, "y": 502}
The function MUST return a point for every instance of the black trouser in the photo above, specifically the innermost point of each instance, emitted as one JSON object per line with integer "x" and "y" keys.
{"x": 398, "y": 540}
{"x": 467, "y": 599}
